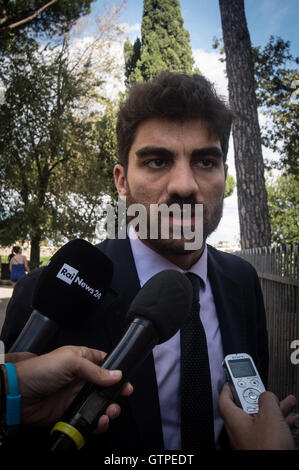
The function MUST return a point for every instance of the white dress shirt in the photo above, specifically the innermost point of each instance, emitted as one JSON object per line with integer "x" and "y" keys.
{"x": 167, "y": 355}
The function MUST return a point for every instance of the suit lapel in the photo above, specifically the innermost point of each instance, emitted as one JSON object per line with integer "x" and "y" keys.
{"x": 228, "y": 297}
{"x": 144, "y": 402}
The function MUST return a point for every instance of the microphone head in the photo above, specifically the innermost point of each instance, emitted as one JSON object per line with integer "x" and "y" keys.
{"x": 73, "y": 282}
{"x": 165, "y": 300}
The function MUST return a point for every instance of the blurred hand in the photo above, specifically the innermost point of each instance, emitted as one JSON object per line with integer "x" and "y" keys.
{"x": 268, "y": 430}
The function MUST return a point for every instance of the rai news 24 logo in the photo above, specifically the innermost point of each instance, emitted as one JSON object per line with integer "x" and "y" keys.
{"x": 69, "y": 275}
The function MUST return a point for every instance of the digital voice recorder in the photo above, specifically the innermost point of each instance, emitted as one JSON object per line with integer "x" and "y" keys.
{"x": 245, "y": 381}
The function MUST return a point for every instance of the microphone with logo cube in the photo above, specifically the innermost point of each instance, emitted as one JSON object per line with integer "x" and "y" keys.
{"x": 70, "y": 287}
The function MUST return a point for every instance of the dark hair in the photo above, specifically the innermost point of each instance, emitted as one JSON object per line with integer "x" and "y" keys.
{"x": 15, "y": 250}
{"x": 173, "y": 96}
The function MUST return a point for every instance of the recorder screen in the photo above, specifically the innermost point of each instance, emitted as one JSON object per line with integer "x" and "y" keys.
{"x": 242, "y": 368}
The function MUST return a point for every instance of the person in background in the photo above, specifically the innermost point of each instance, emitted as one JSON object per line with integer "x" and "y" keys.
{"x": 18, "y": 264}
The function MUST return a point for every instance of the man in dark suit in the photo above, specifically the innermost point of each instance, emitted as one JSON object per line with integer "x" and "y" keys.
{"x": 172, "y": 139}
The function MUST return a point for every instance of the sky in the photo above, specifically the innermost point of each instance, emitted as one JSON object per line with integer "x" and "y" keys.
{"x": 202, "y": 20}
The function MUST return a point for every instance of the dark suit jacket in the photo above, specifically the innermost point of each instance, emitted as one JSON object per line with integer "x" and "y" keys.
{"x": 240, "y": 310}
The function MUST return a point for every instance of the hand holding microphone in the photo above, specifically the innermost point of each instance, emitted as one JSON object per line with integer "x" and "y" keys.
{"x": 155, "y": 315}
{"x": 49, "y": 383}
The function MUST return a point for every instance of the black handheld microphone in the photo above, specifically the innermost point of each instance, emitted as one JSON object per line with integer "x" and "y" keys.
{"x": 70, "y": 286}
{"x": 155, "y": 315}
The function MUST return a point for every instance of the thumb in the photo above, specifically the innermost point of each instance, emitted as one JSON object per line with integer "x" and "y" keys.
{"x": 229, "y": 411}
{"x": 270, "y": 417}
{"x": 268, "y": 401}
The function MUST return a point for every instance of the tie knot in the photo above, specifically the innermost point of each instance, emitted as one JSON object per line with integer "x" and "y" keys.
{"x": 195, "y": 281}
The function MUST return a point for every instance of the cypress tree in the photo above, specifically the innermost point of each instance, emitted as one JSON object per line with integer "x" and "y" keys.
{"x": 165, "y": 43}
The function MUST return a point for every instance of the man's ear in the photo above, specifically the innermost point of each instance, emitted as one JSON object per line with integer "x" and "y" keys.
{"x": 120, "y": 179}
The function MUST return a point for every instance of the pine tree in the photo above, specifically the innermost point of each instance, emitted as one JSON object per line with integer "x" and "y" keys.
{"x": 252, "y": 196}
{"x": 165, "y": 43}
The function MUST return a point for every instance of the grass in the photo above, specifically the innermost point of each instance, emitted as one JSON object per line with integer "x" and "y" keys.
{"x": 43, "y": 259}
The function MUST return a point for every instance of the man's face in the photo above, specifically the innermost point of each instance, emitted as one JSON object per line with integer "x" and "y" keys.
{"x": 175, "y": 162}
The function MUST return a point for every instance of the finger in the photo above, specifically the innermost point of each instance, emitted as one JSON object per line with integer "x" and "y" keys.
{"x": 268, "y": 400}
{"x": 94, "y": 355}
{"x": 291, "y": 421}
{"x": 287, "y": 405}
{"x": 112, "y": 412}
{"x": 82, "y": 362}
{"x": 103, "y": 424}
{"x": 97, "y": 357}
{"x": 127, "y": 389}
{"x": 91, "y": 372}
{"x": 269, "y": 406}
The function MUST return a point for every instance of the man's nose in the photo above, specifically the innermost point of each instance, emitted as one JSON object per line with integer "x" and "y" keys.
{"x": 181, "y": 180}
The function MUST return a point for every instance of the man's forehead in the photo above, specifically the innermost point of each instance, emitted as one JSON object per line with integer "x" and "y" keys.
{"x": 166, "y": 132}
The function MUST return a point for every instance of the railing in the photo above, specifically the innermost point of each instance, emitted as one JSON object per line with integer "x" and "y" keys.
{"x": 278, "y": 269}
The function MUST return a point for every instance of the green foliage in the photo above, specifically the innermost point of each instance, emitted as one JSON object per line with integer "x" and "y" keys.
{"x": 57, "y": 18}
{"x": 229, "y": 185}
{"x": 276, "y": 74}
{"x": 283, "y": 201}
{"x": 165, "y": 43}
{"x": 276, "y": 70}
{"x": 53, "y": 147}
{"x": 132, "y": 55}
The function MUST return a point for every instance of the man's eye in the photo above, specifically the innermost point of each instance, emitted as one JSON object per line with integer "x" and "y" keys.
{"x": 206, "y": 163}
{"x": 157, "y": 163}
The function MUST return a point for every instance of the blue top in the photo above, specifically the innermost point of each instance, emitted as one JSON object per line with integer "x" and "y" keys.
{"x": 17, "y": 271}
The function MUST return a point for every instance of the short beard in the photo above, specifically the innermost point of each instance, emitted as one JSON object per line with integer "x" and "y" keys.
{"x": 212, "y": 215}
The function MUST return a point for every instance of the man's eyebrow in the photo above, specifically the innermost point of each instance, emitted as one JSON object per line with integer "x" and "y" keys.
{"x": 152, "y": 150}
{"x": 207, "y": 151}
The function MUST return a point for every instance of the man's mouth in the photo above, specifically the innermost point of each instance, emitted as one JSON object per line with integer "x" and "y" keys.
{"x": 185, "y": 220}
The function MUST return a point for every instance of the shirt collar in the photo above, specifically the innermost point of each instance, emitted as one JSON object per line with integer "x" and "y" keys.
{"x": 148, "y": 262}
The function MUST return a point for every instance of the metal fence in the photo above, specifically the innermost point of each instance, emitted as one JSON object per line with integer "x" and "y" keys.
{"x": 278, "y": 268}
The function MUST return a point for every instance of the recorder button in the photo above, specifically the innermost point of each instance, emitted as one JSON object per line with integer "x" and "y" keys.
{"x": 241, "y": 383}
{"x": 255, "y": 382}
{"x": 251, "y": 395}
{"x": 252, "y": 409}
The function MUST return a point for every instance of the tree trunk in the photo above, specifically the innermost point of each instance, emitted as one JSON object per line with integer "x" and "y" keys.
{"x": 35, "y": 252}
{"x": 252, "y": 196}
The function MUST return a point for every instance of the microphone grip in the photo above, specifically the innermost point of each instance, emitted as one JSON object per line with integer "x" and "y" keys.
{"x": 36, "y": 335}
{"x": 92, "y": 401}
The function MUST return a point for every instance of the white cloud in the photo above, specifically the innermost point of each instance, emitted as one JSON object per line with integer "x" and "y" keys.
{"x": 214, "y": 70}
{"x": 131, "y": 30}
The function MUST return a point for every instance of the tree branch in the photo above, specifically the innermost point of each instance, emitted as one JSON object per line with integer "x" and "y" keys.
{"x": 28, "y": 18}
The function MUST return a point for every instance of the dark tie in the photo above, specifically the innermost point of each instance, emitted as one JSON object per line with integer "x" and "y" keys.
{"x": 197, "y": 422}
